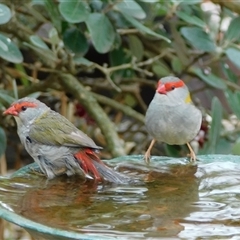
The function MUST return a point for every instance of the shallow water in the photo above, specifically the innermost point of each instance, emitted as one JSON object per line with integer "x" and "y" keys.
{"x": 169, "y": 199}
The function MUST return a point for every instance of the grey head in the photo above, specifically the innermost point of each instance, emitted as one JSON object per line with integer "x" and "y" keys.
{"x": 173, "y": 89}
{"x": 26, "y": 110}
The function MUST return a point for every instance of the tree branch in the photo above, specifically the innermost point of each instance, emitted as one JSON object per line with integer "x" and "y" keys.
{"x": 125, "y": 109}
{"x": 72, "y": 85}
{"x": 41, "y": 86}
{"x": 137, "y": 66}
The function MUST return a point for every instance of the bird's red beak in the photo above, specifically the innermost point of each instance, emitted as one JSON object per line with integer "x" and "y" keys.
{"x": 161, "y": 88}
{"x": 11, "y": 111}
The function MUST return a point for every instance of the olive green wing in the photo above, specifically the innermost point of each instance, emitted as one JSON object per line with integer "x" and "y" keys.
{"x": 51, "y": 128}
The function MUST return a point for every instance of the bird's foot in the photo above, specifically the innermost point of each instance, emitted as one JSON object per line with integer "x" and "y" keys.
{"x": 192, "y": 154}
{"x": 192, "y": 157}
{"x": 147, "y": 154}
{"x": 147, "y": 157}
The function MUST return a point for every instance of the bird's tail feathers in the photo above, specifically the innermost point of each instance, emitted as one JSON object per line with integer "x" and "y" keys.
{"x": 92, "y": 165}
{"x": 110, "y": 175}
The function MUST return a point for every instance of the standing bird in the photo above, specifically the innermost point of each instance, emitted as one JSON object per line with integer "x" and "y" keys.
{"x": 171, "y": 116}
{"x": 56, "y": 144}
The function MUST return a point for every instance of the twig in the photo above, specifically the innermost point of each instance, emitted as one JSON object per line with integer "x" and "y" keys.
{"x": 3, "y": 165}
{"x": 127, "y": 31}
{"x": 36, "y": 87}
{"x": 42, "y": 69}
{"x": 146, "y": 72}
{"x": 233, "y": 85}
{"x": 110, "y": 6}
{"x": 136, "y": 66}
{"x": 192, "y": 62}
{"x": 125, "y": 109}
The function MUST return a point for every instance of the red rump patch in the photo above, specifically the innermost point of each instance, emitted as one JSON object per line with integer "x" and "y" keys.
{"x": 85, "y": 158}
{"x": 172, "y": 85}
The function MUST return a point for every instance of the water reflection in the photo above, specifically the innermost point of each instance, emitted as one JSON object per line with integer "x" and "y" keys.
{"x": 166, "y": 199}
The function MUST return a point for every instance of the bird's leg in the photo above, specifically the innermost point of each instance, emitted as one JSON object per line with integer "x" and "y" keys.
{"x": 147, "y": 154}
{"x": 192, "y": 154}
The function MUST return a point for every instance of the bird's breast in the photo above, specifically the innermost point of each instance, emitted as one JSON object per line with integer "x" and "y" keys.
{"x": 173, "y": 124}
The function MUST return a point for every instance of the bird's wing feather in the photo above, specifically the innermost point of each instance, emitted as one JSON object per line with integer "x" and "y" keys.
{"x": 64, "y": 133}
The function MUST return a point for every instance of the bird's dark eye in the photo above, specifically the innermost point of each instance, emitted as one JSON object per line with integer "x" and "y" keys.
{"x": 24, "y": 108}
{"x": 173, "y": 87}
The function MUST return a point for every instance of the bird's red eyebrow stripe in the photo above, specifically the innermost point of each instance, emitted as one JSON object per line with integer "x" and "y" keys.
{"x": 18, "y": 106}
{"x": 177, "y": 84}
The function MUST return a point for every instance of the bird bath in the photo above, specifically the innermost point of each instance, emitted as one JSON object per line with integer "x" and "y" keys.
{"x": 170, "y": 198}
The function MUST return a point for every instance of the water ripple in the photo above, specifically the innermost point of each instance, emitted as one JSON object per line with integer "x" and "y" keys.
{"x": 173, "y": 200}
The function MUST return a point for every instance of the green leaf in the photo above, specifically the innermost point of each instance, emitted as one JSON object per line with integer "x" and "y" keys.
{"x": 74, "y": 11}
{"x": 177, "y": 65}
{"x": 129, "y": 100}
{"x": 45, "y": 54}
{"x": 5, "y": 14}
{"x": 160, "y": 69}
{"x": 2, "y": 108}
{"x": 38, "y": 42}
{"x": 233, "y": 99}
{"x": 198, "y": 38}
{"x": 172, "y": 150}
{"x": 3, "y": 142}
{"x": 233, "y": 32}
{"x": 191, "y": 19}
{"x": 210, "y": 78}
{"x": 38, "y": 2}
{"x": 14, "y": 88}
{"x": 82, "y": 61}
{"x": 224, "y": 146}
{"x": 53, "y": 13}
{"x": 236, "y": 148}
{"x": 53, "y": 36}
{"x": 75, "y": 41}
{"x": 5, "y": 97}
{"x": 34, "y": 95}
{"x": 101, "y": 31}
{"x": 143, "y": 28}
{"x": 233, "y": 55}
{"x": 189, "y": 2}
{"x": 118, "y": 57}
{"x": 9, "y": 51}
{"x": 150, "y": 1}
{"x": 117, "y": 41}
{"x": 23, "y": 77}
{"x": 96, "y": 5}
{"x": 131, "y": 8}
{"x": 136, "y": 47}
{"x": 215, "y": 127}
{"x": 229, "y": 74}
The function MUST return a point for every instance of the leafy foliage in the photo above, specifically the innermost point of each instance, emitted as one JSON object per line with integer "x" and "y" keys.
{"x": 3, "y": 142}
